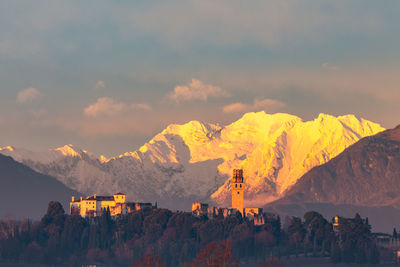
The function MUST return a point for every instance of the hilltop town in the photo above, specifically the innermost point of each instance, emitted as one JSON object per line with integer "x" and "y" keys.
{"x": 117, "y": 204}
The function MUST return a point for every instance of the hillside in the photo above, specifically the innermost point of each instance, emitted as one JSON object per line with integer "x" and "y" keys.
{"x": 364, "y": 177}
{"x": 194, "y": 161}
{"x": 26, "y": 193}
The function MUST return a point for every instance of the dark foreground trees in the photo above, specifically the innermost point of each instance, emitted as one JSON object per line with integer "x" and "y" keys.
{"x": 215, "y": 254}
{"x": 354, "y": 242}
{"x": 176, "y": 238}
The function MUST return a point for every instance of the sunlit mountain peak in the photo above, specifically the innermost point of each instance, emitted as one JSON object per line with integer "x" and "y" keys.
{"x": 9, "y": 148}
{"x": 69, "y": 150}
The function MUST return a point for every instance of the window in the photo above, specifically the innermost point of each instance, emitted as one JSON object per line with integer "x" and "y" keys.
{"x": 240, "y": 185}
{"x": 236, "y": 185}
{"x": 238, "y": 192}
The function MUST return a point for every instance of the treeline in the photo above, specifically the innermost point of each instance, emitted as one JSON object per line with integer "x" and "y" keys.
{"x": 180, "y": 239}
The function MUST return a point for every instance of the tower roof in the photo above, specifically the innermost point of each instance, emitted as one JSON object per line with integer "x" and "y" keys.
{"x": 237, "y": 176}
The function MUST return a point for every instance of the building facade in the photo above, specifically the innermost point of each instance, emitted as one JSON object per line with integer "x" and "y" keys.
{"x": 93, "y": 206}
{"x": 199, "y": 208}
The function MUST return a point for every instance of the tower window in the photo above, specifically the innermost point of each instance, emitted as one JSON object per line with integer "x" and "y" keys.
{"x": 236, "y": 185}
{"x": 238, "y": 192}
{"x": 240, "y": 185}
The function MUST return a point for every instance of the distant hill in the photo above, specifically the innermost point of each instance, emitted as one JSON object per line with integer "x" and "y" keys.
{"x": 25, "y": 193}
{"x": 365, "y": 177}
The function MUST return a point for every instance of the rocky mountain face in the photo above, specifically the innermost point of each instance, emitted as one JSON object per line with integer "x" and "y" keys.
{"x": 194, "y": 161}
{"x": 366, "y": 175}
{"x": 25, "y": 193}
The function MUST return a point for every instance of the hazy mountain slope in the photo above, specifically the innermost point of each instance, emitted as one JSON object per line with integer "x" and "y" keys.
{"x": 25, "y": 193}
{"x": 194, "y": 161}
{"x": 367, "y": 173}
{"x": 364, "y": 178}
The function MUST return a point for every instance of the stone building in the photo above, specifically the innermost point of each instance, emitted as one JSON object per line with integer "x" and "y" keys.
{"x": 237, "y": 187}
{"x": 93, "y": 206}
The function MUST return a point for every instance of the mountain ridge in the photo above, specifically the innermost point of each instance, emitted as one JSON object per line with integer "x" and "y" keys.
{"x": 368, "y": 163}
{"x": 364, "y": 178}
{"x": 194, "y": 161}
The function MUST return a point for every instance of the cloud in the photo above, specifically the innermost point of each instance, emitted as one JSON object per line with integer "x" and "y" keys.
{"x": 268, "y": 104}
{"x": 328, "y": 66}
{"x": 27, "y": 95}
{"x": 38, "y": 113}
{"x": 100, "y": 84}
{"x": 106, "y": 106}
{"x": 263, "y": 104}
{"x": 142, "y": 106}
{"x": 196, "y": 90}
{"x": 235, "y": 107}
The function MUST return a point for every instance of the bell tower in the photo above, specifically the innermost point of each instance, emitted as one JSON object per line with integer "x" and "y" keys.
{"x": 237, "y": 187}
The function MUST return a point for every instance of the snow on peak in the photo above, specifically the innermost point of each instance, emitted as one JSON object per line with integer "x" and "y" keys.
{"x": 103, "y": 159}
{"x": 8, "y": 148}
{"x": 196, "y": 129}
{"x": 261, "y": 117}
{"x": 70, "y": 151}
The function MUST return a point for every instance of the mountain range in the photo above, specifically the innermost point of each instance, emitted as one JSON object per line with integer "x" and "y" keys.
{"x": 194, "y": 161}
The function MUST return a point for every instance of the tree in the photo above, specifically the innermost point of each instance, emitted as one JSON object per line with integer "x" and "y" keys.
{"x": 73, "y": 232}
{"x": 149, "y": 261}
{"x": 273, "y": 225}
{"x": 242, "y": 237}
{"x": 215, "y": 255}
{"x": 360, "y": 256}
{"x": 48, "y": 233}
{"x": 272, "y": 262}
{"x": 55, "y": 214}
{"x": 373, "y": 254}
{"x": 106, "y": 226}
{"x": 318, "y": 231}
{"x": 356, "y": 242}
{"x": 335, "y": 253}
{"x": 296, "y": 232}
{"x": 212, "y": 230}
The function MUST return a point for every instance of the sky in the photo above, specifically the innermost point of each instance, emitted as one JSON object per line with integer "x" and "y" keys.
{"x": 107, "y": 76}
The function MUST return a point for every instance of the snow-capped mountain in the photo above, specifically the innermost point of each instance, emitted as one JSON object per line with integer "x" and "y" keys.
{"x": 364, "y": 178}
{"x": 194, "y": 161}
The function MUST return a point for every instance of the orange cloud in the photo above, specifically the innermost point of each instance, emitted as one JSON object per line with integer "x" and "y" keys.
{"x": 27, "y": 95}
{"x": 263, "y": 104}
{"x": 100, "y": 84}
{"x": 196, "y": 90}
{"x": 106, "y": 106}
{"x": 142, "y": 106}
{"x": 235, "y": 107}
